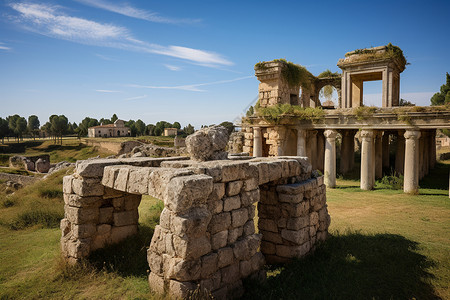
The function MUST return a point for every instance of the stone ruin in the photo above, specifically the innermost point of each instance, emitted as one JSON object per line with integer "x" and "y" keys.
{"x": 207, "y": 236}
{"x": 40, "y": 163}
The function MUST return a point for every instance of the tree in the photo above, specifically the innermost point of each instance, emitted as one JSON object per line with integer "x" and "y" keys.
{"x": 33, "y": 125}
{"x": 150, "y": 129}
{"x": 114, "y": 118}
{"x": 4, "y": 130}
{"x": 140, "y": 127}
{"x": 132, "y": 125}
{"x": 404, "y": 102}
{"x": 159, "y": 127}
{"x": 250, "y": 111}
{"x": 104, "y": 121}
{"x": 443, "y": 97}
{"x": 17, "y": 125}
{"x": 87, "y": 122}
{"x": 228, "y": 125}
{"x": 59, "y": 126}
{"x": 176, "y": 125}
{"x": 189, "y": 129}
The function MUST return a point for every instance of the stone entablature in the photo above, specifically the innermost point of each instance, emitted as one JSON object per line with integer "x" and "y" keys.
{"x": 206, "y": 236}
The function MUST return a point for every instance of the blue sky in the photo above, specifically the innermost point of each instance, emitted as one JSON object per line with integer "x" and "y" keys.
{"x": 192, "y": 61}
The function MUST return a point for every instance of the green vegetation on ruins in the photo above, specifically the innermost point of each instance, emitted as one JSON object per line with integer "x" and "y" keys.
{"x": 368, "y": 54}
{"x": 275, "y": 113}
{"x": 294, "y": 74}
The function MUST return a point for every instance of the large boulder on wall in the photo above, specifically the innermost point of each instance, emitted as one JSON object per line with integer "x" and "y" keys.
{"x": 208, "y": 144}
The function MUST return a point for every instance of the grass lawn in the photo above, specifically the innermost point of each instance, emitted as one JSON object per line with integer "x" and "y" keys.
{"x": 383, "y": 245}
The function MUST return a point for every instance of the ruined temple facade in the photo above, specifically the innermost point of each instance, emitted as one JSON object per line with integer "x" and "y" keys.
{"x": 410, "y": 133}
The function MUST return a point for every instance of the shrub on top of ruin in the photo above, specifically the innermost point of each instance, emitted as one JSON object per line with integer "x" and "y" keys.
{"x": 367, "y": 54}
{"x": 275, "y": 112}
{"x": 328, "y": 74}
{"x": 294, "y": 74}
{"x": 364, "y": 112}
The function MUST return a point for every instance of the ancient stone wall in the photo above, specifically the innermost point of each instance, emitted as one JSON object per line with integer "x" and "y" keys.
{"x": 207, "y": 235}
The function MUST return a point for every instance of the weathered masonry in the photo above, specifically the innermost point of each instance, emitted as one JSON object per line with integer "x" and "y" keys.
{"x": 410, "y": 132}
{"x": 206, "y": 236}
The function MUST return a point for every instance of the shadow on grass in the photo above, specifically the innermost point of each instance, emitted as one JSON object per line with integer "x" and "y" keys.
{"x": 19, "y": 147}
{"x": 437, "y": 178}
{"x": 352, "y": 266}
{"x": 127, "y": 258}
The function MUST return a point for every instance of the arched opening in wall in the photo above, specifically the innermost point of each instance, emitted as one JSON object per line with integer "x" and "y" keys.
{"x": 328, "y": 97}
{"x": 131, "y": 222}
{"x": 118, "y": 132}
{"x": 291, "y": 143}
{"x": 372, "y": 95}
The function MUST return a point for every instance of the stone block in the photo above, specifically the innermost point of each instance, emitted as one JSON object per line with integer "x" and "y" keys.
{"x": 215, "y": 206}
{"x": 78, "y": 249}
{"x": 209, "y": 264}
{"x": 225, "y": 257}
{"x": 87, "y": 187}
{"x": 160, "y": 180}
{"x": 219, "y": 222}
{"x": 100, "y": 241}
{"x": 320, "y": 180}
{"x": 218, "y": 191}
{"x": 184, "y": 192}
{"x": 295, "y": 210}
{"x": 65, "y": 227}
{"x": 263, "y": 172}
{"x": 124, "y": 218}
{"x": 267, "y": 225}
{"x": 268, "y": 247}
{"x": 81, "y": 231}
{"x": 296, "y": 236}
{"x": 110, "y": 175}
{"x": 165, "y": 219}
{"x": 271, "y": 237}
{"x": 234, "y": 187}
{"x": 231, "y": 203}
{"x": 94, "y": 168}
{"x": 118, "y": 203}
{"x": 183, "y": 270}
{"x": 314, "y": 219}
{"x": 111, "y": 193}
{"x": 138, "y": 180}
{"x": 79, "y": 201}
{"x": 156, "y": 283}
{"x": 103, "y": 229}
{"x": 249, "y": 227}
{"x": 230, "y": 273}
{"x": 77, "y": 215}
{"x": 67, "y": 184}
{"x": 193, "y": 223}
{"x": 250, "y": 197}
{"x": 212, "y": 283}
{"x": 297, "y": 223}
{"x": 191, "y": 248}
{"x": 258, "y": 261}
{"x": 180, "y": 290}
{"x": 120, "y": 233}
{"x": 251, "y": 184}
{"x": 312, "y": 230}
{"x": 295, "y": 198}
{"x": 239, "y": 217}
{"x": 219, "y": 239}
{"x": 234, "y": 234}
{"x": 274, "y": 169}
{"x": 285, "y": 251}
{"x": 122, "y": 179}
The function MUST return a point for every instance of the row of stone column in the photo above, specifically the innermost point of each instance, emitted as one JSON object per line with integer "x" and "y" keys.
{"x": 415, "y": 153}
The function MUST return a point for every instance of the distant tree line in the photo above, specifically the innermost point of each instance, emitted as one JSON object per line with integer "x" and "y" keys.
{"x": 58, "y": 125}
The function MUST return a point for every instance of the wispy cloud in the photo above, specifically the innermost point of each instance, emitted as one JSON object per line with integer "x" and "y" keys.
{"x": 108, "y": 91}
{"x": 130, "y": 11}
{"x": 50, "y": 21}
{"x": 189, "y": 87}
{"x": 137, "y": 97}
{"x": 2, "y": 47}
{"x": 172, "y": 67}
{"x": 105, "y": 57}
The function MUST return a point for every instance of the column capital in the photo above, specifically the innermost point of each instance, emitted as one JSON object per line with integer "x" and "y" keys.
{"x": 366, "y": 133}
{"x": 312, "y": 132}
{"x": 412, "y": 134}
{"x": 301, "y": 132}
{"x": 330, "y": 134}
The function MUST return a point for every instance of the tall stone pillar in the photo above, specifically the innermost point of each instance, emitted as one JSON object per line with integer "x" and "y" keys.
{"x": 347, "y": 151}
{"x": 311, "y": 148}
{"x": 320, "y": 151}
{"x": 385, "y": 148}
{"x": 378, "y": 154}
{"x": 432, "y": 148}
{"x": 411, "y": 177}
{"x": 367, "y": 159}
{"x": 257, "y": 142}
{"x": 400, "y": 153}
{"x": 330, "y": 158}
{"x": 301, "y": 142}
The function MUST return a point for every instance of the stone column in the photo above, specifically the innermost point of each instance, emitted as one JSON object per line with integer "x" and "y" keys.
{"x": 301, "y": 142}
{"x": 367, "y": 159}
{"x": 385, "y": 148}
{"x": 411, "y": 178}
{"x": 330, "y": 158}
{"x": 257, "y": 142}
{"x": 378, "y": 154}
{"x": 347, "y": 151}
{"x": 433, "y": 149}
{"x": 311, "y": 148}
{"x": 400, "y": 153}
